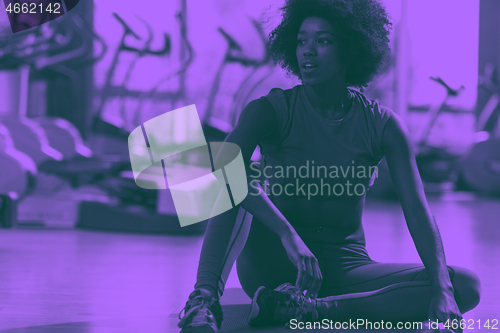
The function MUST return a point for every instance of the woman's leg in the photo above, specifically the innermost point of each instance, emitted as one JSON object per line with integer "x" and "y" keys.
{"x": 358, "y": 287}
{"x": 361, "y": 287}
{"x": 225, "y": 237}
{"x": 263, "y": 261}
{"x": 393, "y": 292}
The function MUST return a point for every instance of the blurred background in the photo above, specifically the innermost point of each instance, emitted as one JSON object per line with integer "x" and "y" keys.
{"x": 83, "y": 245}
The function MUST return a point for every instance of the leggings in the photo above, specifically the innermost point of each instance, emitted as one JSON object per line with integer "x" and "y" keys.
{"x": 363, "y": 287}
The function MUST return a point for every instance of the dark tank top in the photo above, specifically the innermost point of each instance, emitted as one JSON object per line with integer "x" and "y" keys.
{"x": 318, "y": 170}
{"x": 309, "y": 153}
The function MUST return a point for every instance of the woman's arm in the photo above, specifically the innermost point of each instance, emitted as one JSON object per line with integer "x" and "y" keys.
{"x": 257, "y": 121}
{"x": 398, "y": 150}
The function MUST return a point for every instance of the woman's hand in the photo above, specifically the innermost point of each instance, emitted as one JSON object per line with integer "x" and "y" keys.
{"x": 443, "y": 307}
{"x": 309, "y": 274}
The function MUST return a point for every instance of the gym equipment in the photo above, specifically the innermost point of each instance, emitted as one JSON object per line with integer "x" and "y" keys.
{"x": 30, "y": 138}
{"x": 37, "y": 138}
{"x": 23, "y": 190}
{"x": 71, "y": 160}
{"x": 18, "y": 48}
{"x": 480, "y": 169}
{"x": 18, "y": 169}
{"x": 16, "y": 180}
{"x": 110, "y": 132}
{"x": 489, "y": 116}
{"x": 8, "y": 210}
{"x": 186, "y": 55}
{"x": 64, "y": 137}
{"x": 217, "y": 127}
{"x": 28, "y": 144}
{"x": 136, "y": 209}
{"x": 436, "y": 165}
{"x": 116, "y": 127}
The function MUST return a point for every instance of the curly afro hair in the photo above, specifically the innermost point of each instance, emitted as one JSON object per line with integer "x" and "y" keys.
{"x": 363, "y": 28}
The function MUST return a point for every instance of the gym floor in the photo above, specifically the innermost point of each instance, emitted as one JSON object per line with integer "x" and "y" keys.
{"x": 66, "y": 280}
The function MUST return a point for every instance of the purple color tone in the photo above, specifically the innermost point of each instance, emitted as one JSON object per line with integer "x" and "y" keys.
{"x": 70, "y": 4}
{"x": 211, "y": 53}
{"x": 33, "y": 13}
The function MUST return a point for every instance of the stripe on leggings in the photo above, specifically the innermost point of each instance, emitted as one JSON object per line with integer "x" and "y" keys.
{"x": 221, "y": 283}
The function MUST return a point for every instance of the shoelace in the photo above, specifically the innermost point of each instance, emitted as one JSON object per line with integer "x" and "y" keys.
{"x": 294, "y": 307}
{"x": 193, "y": 306}
{"x": 318, "y": 309}
{"x": 192, "y": 303}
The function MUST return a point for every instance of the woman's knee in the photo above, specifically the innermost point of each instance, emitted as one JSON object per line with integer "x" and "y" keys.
{"x": 467, "y": 288}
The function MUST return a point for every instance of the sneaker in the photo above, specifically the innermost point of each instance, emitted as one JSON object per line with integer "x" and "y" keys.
{"x": 279, "y": 306}
{"x": 202, "y": 313}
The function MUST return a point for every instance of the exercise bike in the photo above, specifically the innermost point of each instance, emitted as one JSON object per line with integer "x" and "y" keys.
{"x": 480, "y": 169}
{"x": 437, "y": 166}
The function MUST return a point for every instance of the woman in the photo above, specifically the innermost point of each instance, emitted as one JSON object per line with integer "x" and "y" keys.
{"x": 321, "y": 141}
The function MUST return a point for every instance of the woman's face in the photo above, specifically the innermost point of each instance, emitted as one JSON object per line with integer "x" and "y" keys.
{"x": 317, "y": 51}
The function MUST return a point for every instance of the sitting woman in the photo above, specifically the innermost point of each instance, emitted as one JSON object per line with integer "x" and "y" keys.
{"x": 322, "y": 141}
